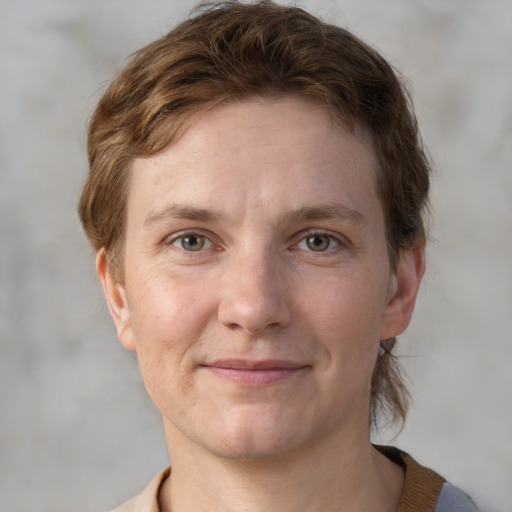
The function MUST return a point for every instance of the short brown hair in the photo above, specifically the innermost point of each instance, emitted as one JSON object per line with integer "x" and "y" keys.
{"x": 230, "y": 50}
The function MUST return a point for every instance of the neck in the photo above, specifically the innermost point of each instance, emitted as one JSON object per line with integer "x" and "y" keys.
{"x": 335, "y": 477}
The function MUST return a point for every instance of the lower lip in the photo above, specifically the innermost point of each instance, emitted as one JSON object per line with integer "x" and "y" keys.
{"x": 258, "y": 377}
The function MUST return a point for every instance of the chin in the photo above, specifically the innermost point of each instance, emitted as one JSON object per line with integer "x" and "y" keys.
{"x": 259, "y": 437}
{"x": 255, "y": 448}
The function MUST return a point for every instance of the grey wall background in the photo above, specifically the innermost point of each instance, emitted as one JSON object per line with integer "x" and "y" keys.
{"x": 77, "y": 431}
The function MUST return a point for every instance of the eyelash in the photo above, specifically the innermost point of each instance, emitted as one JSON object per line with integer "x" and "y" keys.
{"x": 178, "y": 240}
{"x": 203, "y": 239}
{"x": 331, "y": 239}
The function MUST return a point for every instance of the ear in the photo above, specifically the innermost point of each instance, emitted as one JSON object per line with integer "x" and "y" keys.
{"x": 404, "y": 290}
{"x": 115, "y": 294}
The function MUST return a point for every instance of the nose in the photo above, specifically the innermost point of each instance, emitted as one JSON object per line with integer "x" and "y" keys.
{"x": 254, "y": 294}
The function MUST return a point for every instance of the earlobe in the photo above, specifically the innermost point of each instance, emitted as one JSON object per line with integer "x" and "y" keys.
{"x": 407, "y": 280}
{"x": 115, "y": 295}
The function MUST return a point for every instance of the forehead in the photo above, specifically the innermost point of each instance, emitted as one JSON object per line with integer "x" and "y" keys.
{"x": 261, "y": 152}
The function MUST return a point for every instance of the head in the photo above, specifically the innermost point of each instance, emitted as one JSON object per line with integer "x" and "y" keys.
{"x": 228, "y": 52}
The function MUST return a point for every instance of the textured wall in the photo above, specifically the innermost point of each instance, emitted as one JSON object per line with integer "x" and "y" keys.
{"x": 77, "y": 431}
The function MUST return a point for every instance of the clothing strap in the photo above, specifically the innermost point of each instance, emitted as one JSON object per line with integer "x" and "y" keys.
{"x": 423, "y": 485}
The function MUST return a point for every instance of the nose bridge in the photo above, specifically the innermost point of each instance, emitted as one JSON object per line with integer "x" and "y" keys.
{"x": 254, "y": 295}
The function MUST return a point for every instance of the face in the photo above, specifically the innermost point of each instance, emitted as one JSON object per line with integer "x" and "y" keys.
{"x": 257, "y": 283}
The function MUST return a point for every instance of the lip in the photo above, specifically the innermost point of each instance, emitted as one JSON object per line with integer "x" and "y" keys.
{"x": 254, "y": 373}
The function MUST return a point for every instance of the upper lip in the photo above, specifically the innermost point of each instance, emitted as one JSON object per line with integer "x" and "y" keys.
{"x": 244, "y": 364}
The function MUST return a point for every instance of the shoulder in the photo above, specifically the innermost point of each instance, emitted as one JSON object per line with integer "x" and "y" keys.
{"x": 452, "y": 499}
{"x": 128, "y": 506}
{"x": 147, "y": 500}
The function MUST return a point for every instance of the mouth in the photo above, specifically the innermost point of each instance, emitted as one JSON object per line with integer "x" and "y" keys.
{"x": 255, "y": 373}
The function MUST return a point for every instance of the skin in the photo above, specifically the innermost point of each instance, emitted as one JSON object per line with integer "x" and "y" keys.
{"x": 257, "y": 286}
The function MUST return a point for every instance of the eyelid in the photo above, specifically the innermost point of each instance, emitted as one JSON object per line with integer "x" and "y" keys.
{"x": 172, "y": 239}
{"x": 340, "y": 240}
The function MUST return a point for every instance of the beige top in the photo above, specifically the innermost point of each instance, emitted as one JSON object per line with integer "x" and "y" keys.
{"x": 147, "y": 500}
{"x": 421, "y": 490}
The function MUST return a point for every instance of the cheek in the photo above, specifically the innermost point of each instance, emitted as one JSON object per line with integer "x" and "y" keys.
{"x": 165, "y": 343}
{"x": 167, "y": 320}
{"x": 350, "y": 305}
{"x": 164, "y": 307}
{"x": 347, "y": 317}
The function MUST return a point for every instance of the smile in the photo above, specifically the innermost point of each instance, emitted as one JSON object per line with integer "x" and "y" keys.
{"x": 255, "y": 373}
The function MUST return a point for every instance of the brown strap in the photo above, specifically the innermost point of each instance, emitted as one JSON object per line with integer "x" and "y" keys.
{"x": 422, "y": 486}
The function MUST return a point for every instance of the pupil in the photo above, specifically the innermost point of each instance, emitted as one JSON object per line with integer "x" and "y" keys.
{"x": 318, "y": 242}
{"x": 193, "y": 243}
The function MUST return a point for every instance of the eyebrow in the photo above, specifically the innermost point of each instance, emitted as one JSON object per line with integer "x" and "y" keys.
{"x": 180, "y": 212}
{"x": 304, "y": 214}
{"x": 326, "y": 212}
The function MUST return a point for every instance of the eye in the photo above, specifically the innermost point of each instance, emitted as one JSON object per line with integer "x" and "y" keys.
{"x": 318, "y": 242}
{"x": 191, "y": 242}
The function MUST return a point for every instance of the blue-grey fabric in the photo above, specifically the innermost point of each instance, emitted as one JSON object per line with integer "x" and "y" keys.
{"x": 453, "y": 500}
